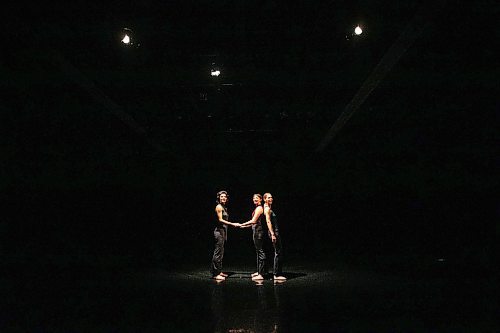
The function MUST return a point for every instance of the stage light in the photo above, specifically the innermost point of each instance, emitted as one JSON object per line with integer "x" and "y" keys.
{"x": 214, "y": 70}
{"x": 127, "y": 37}
{"x": 358, "y": 31}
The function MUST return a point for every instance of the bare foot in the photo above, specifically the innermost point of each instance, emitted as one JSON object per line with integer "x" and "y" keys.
{"x": 224, "y": 274}
{"x": 255, "y": 274}
{"x": 279, "y": 278}
{"x": 219, "y": 278}
{"x": 257, "y": 277}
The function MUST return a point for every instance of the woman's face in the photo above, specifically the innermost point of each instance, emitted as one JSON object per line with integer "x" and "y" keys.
{"x": 223, "y": 198}
{"x": 269, "y": 199}
{"x": 256, "y": 200}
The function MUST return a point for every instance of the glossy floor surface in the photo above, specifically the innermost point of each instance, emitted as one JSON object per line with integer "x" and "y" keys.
{"x": 315, "y": 298}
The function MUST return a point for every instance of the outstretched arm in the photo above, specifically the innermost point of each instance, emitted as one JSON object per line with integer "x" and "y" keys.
{"x": 219, "y": 210}
{"x": 255, "y": 218}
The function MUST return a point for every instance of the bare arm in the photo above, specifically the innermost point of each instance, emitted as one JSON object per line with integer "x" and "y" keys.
{"x": 255, "y": 218}
{"x": 218, "y": 210}
{"x": 267, "y": 214}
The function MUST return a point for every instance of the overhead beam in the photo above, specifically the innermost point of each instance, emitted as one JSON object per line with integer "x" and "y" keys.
{"x": 95, "y": 93}
{"x": 414, "y": 28}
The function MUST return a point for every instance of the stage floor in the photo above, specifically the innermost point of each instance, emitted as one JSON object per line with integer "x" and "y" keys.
{"x": 313, "y": 299}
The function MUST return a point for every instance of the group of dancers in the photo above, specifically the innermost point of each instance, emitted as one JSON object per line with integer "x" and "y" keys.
{"x": 220, "y": 234}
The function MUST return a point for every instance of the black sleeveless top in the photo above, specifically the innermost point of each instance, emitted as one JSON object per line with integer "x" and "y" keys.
{"x": 274, "y": 221}
{"x": 225, "y": 217}
{"x": 259, "y": 220}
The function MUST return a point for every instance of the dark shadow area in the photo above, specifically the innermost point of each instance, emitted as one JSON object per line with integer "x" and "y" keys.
{"x": 112, "y": 155}
{"x": 293, "y": 275}
{"x": 347, "y": 298}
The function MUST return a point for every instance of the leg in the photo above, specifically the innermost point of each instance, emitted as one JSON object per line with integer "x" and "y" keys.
{"x": 278, "y": 259}
{"x": 261, "y": 255}
{"x": 216, "y": 266}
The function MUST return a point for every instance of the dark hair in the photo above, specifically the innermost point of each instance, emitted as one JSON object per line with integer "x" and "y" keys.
{"x": 258, "y": 195}
{"x": 219, "y": 194}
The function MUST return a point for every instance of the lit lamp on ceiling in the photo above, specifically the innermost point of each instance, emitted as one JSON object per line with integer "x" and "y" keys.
{"x": 215, "y": 70}
{"x": 358, "y": 31}
{"x": 127, "y": 37}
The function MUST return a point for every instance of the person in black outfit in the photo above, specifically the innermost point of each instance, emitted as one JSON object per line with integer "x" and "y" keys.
{"x": 258, "y": 236}
{"x": 273, "y": 230}
{"x": 220, "y": 234}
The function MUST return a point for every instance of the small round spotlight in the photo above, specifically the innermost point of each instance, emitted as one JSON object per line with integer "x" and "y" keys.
{"x": 127, "y": 36}
{"x": 358, "y": 31}
{"x": 214, "y": 70}
{"x": 126, "y": 39}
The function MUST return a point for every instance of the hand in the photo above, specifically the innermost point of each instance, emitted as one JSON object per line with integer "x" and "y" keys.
{"x": 237, "y": 225}
{"x": 273, "y": 238}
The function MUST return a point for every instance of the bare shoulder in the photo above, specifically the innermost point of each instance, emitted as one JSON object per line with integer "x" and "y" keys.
{"x": 218, "y": 208}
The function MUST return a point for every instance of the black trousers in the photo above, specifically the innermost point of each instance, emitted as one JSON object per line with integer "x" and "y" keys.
{"x": 277, "y": 254}
{"x": 258, "y": 240}
{"x": 220, "y": 238}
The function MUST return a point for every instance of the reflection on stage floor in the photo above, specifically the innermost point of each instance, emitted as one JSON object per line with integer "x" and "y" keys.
{"x": 311, "y": 300}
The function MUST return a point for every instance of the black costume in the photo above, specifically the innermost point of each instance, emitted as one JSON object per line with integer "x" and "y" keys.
{"x": 258, "y": 240}
{"x": 277, "y": 245}
{"x": 220, "y": 235}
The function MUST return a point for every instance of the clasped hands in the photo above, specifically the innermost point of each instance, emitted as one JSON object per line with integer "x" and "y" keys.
{"x": 241, "y": 225}
{"x": 248, "y": 225}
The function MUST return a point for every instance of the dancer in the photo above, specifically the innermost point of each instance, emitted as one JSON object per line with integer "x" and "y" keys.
{"x": 220, "y": 234}
{"x": 258, "y": 235}
{"x": 272, "y": 225}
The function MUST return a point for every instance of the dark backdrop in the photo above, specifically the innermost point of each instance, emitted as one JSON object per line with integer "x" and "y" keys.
{"x": 411, "y": 178}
